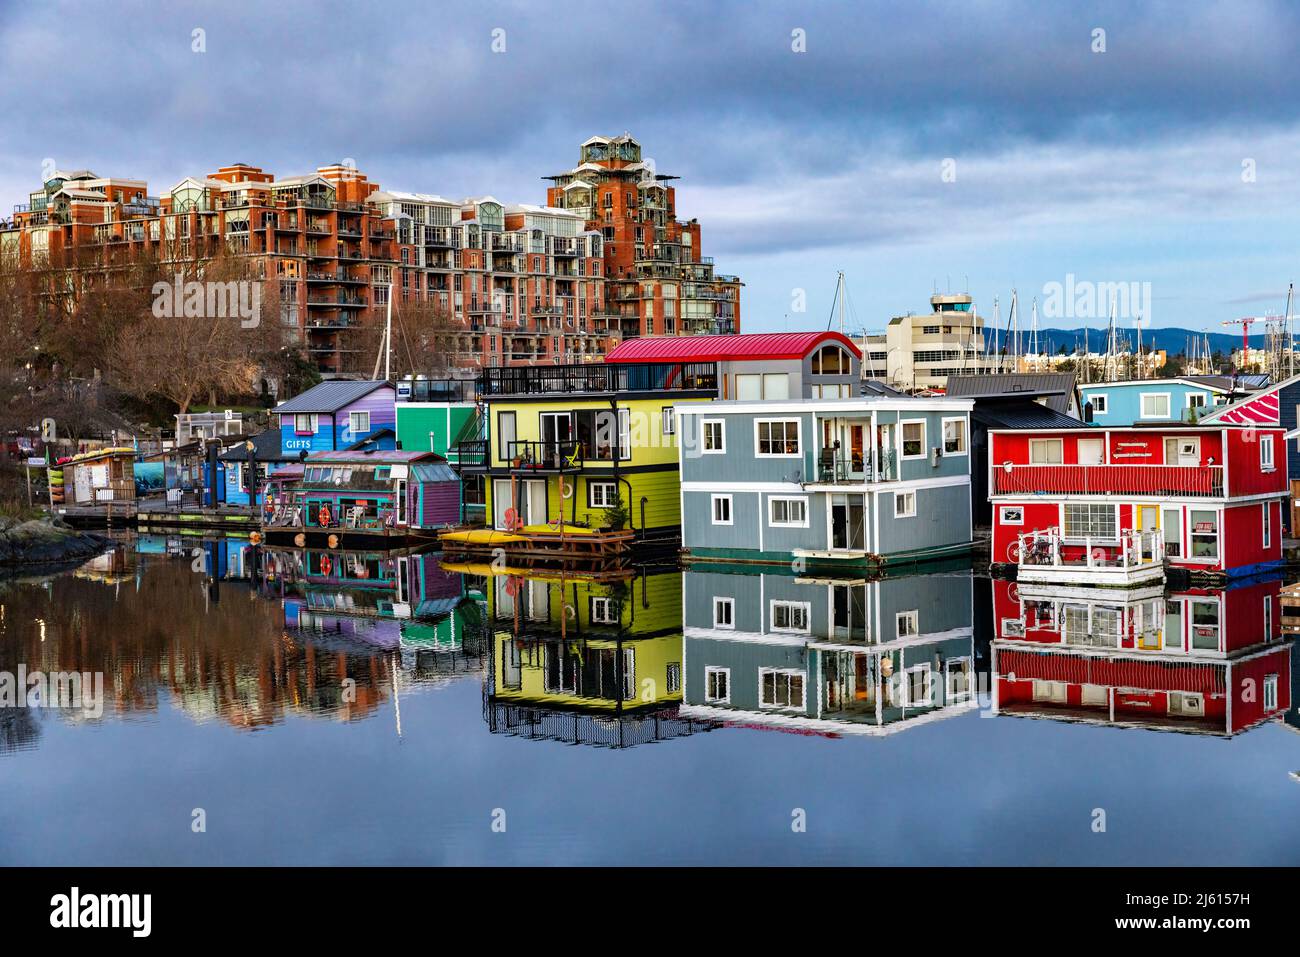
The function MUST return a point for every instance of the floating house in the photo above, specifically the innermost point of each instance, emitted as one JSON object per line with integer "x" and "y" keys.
{"x": 389, "y": 493}
{"x": 582, "y": 459}
{"x": 1100, "y": 506}
{"x": 245, "y": 466}
{"x": 830, "y": 656}
{"x": 93, "y": 478}
{"x": 876, "y": 481}
{"x": 1206, "y": 660}
{"x": 443, "y": 416}
{"x": 1185, "y": 399}
{"x": 338, "y": 415}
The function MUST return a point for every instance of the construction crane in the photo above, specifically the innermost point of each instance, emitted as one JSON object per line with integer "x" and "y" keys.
{"x": 1245, "y": 322}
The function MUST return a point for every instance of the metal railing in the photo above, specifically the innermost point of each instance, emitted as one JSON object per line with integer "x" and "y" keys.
{"x": 555, "y": 456}
{"x": 1130, "y": 549}
{"x": 836, "y": 468}
{"x": 1192, "y": 480}
{"x": 599, "y": 377}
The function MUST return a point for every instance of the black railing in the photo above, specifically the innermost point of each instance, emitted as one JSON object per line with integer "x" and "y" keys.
{"x": 565, "y": 456}
{"x": 472, "y": 454}
{"x": 435, "y": 390}
{"x": 599, "y": 377}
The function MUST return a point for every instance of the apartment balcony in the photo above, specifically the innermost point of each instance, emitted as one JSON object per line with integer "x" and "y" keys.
{"x": 317, "y": 298}
{"x": 1131, "y": 558}
{"x": 835, "y": 467}
{"x": 1155, "y": 480}
{"x": 337, "y": 319}
{"x": 554, "y": 456}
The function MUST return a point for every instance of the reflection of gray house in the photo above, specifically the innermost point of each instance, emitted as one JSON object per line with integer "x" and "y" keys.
{"x": 834, "y": 656}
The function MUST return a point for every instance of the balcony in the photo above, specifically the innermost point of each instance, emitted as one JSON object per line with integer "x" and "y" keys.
{"x": 472, "y": 455}
{"x": 1132, "y": 558}
{"x": 595, "y": 377}
{"x": 836, "y": 468}
{"x": 554, "y": 456}
{"x": 1155, "y": 480}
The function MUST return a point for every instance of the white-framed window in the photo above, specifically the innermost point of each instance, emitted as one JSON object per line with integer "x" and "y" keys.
{"x": 913, "y": 439}
{"x": 1203, "y": 526}
{"x": 1270, "y": 692}
{"x": 1045, "y": 451}
{"x": 958, "y": 675}
{"x": 673, "y": 676}
{"x": 505, "y": 435}
{"x": 777, "y": 438}
{"x": 1155, "y": 405}
{"x": 1196, "y": 400}
{"x": 787, "y": 512}
{"x": 1089, "y": 521}
{"x": 713, "y": 437}
{"x": 304, "y": 423}
{"x": 1098, "y": 401}
{"x": 904, "y": 505}
{"x": 907, "y": 623}
{"x": 604, "y": 611}
{"x": 1011, "y": 515}
{"x": 669, "y": 423}
{"x": 717, "y": 685}
{"x": 1268, "y": 618}
{"x": 791, "y": 616}
{"x": 721, "y": 505}
{"x": 954, "y": 436}
{"x": 781, "y": 688}
{"x": 359, "y": 423}
{"x": 602, "y": 494}
{"x": 1266, "y": 453}
{"x": 724, "y": 612}
{"x": 1267, "y": 523}
{"x": 917, "y": 687}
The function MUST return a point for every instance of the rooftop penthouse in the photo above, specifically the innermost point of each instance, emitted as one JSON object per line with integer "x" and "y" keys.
{"x": 598, "y": 378}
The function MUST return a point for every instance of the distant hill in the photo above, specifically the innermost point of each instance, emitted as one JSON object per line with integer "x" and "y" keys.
{"x": 1172, "y": 340}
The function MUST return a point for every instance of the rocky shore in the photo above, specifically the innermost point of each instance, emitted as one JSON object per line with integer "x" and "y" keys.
{"x": 45, "y": 541}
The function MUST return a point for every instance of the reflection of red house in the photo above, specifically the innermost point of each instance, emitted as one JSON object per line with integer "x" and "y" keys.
{"x": 1200, "y": 497}
{"x": 1203, "y": 660}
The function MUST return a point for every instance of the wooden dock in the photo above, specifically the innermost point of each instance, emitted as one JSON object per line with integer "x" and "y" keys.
{"x": 542, "y": 545}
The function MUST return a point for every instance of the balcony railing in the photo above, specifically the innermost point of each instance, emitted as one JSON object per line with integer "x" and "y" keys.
{"x": 558, "y": 456}
{"x": 599, "y": 377}
{"x": 472, "y": 454}
{"x": 435, "y": 390}
{"x": 1187, "y": 480}
{"x": 838, "y": 468}
{"x": 1048, "y": 548}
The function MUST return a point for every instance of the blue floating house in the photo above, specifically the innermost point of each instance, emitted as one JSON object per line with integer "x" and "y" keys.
{"x": 339, "y": 415}
{"x": 1140, "y": 401}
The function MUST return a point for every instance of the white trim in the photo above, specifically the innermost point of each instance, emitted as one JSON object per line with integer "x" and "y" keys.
{"x": 826, "y": 407}
{"x": 717, "y": 669}
{"x": 798, "y": 421}
{"x": 1002, "y": 515}
{"x": 704, "y": 424}
{"x": 805, "y": 606}
{"x": 802, "y": 499}
{"x": 789, "y": 673}
{"x": 913, "y": 615}
{"x": 925, "y": 439}
{"x": 901, "y": 492}
{"x": 965, "y": 435}
{"x": 730, "y": 603}
{"x": 1169, "y": 406}
{"x": 713, "y": 509}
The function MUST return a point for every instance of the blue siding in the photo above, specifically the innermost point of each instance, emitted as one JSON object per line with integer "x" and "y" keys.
{"x": 1124, "y": 400}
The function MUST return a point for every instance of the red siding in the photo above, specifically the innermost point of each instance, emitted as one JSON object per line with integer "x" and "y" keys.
{"x": 1248, "y": 686}
{"x": 1244, "y": 474}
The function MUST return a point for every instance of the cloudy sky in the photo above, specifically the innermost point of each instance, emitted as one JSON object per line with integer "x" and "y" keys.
{"x": 987, "y": 146}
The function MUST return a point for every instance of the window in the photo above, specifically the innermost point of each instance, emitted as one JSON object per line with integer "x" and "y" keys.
{"x": 1011, "y": 515}
{"x": 787, "y": 512}
{"x": 913, "y": 440}
{"x": 714, "y": 437}
{"x": 1268, "y": 524}
{"x": 1098, "y": 404}
{"x": 505, "y": 434}
{"x": 907, "y": 623}
{"x": 1266, "y": 452}
{"x": 1268, "y": 618}
{"x": 717, "y": 685}
{"x": 954, "y": 436}
{"x": 904, "y": 504}
{"x": 1204, "y": 526}
{"x": 781, "y": 689}
{"x": 765, "y": 385}
{"x": 604, "y": 611}
{"x": 777, "y": 437}
{"x": 669, "y": 423}
{"x": 359, "y": 423}
{"x": 917, "y": 689}
{"x": 831, "y": 360}
{"x": 1090, "y": 521}
{"x": 305, "y": 423}
{"x": 1155, "y": 405}
{"x": 724, "y": 612}
{"x": 1196, "y": 400}
{"x": 1270, "y": 693}
{"x": 1045, "y": 451}
{"x": 722, "y": 510}
{"x": 790, "y": 616}
{"x": 601, "y": 494}
{"x": 674, "y": 676}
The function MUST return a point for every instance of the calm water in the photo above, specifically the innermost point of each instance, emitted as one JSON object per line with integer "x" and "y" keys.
{"x": 385, "y": 710}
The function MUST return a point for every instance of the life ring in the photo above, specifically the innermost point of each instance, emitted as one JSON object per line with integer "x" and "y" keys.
{"x": 1013, "y": 552}
{"x": 323, "y": 516}
{"x": 300, "y": 539}
{"x": 1099, "y": 554}
{"x": 255, "y": 538}
{"x": 333, "y": 541}
{"x": 1013, "y": 592}
{"x": 326, "y": 566}
{"x": 566, "y": 489}
{"x": 512, "y": 518}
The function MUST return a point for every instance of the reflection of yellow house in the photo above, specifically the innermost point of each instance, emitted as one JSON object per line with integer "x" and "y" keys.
{"x": 586, "y": 643}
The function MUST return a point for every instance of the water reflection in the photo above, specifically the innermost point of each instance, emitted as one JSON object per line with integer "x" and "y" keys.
{"x": 219, "y": 630}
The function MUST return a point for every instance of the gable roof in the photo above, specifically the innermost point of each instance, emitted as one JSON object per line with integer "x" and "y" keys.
{"x": 745, "y": 346}
{"x": 1215, "y": 383}
{"x": 329, "y": 397}
{"x": 266, "y": 448}
{"x": 1056, "y": 387}
{"x": 1018, "y": 413}
{"x": 1256, "y": 408}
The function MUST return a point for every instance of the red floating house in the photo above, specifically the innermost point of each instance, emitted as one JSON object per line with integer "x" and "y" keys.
{"x": 1113, "y": 506}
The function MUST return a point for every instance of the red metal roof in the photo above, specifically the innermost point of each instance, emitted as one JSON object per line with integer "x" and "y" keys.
{"x": 751, "y": 345}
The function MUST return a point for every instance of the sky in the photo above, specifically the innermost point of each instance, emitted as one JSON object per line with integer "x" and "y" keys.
{"x": 966, "y": 146}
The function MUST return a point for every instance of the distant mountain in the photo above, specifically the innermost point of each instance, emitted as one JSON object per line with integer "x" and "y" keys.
{"x": 1172, "y": 340}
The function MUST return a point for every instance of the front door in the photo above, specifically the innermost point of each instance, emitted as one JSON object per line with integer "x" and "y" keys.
{"x": 502, "y": 502}
{"x": 1090, "y": 452}
{"x": 1148, "y": 524}
{"x": 399, "y": 502}
{"x": 534, "y": 503}
{"x": 848, "y": 523}
{"x": 885, "y": 443}
{"x": 856, "y": 457}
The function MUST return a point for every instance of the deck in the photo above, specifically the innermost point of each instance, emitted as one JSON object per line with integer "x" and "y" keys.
{"x": 566, "y": 545}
